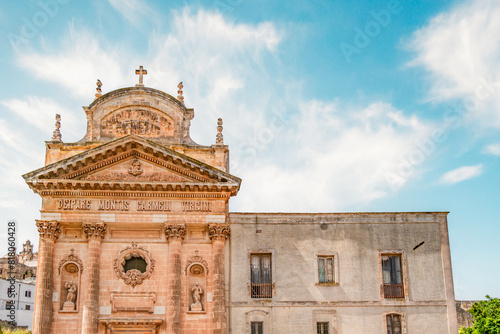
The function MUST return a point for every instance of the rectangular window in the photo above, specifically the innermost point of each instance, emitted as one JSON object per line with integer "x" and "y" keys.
{"x": 28, "y": 307}
{"x": 392, "y": 276}
{"x": 323, "y": 328}
{"x": 257, "y": 327}
{"x": 261, "y": 276}
{"x": 393, "y": 324}
{"x": 27, "y": 293}
{"x": 325, "y": 269}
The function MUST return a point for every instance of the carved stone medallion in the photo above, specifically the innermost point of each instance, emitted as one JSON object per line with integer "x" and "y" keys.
{"x": 127, "y": 272}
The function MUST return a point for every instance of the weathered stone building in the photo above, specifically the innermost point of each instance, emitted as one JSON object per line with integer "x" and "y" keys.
{"x": 136, "y": 237}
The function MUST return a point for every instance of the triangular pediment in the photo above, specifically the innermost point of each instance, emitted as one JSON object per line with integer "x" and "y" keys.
{"x": 131, "y": 163}
{"x": 136, "y": 170}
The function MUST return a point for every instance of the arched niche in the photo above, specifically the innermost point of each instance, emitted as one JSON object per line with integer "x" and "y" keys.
{"x": 70, "y": 271}
{"x": 196, "y": 271}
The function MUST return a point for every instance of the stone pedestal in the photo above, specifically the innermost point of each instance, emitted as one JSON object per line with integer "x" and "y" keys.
{"x": 196, "y": 307}
{"x": 68, "y": 306}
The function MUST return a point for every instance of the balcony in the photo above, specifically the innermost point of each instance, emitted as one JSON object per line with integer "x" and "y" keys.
{"x": 261, "y": 290}
{"x": 394, "y": 291}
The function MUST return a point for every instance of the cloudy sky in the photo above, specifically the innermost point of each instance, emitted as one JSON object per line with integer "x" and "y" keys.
{"x": 331, "y": 105}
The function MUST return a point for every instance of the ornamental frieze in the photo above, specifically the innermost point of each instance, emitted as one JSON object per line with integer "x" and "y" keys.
{"x": 153, "y": 177}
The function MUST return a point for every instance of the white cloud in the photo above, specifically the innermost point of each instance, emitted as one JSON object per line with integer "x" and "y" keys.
{"x": 492, "y": 149}
{"x": 135, "y": 11}
{"x": 312, "y": 155}
{"x": 40, "y": 112}
{"x": 462, "y": 174}
{"x": 76, "y": 64}
{"x": 459, "y": 49}
{"x": 329, "y": 159}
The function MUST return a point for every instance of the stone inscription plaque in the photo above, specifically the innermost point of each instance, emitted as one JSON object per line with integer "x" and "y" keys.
{"x": 133, "y": 205}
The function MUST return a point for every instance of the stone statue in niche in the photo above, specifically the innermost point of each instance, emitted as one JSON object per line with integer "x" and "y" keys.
{"x": 69, "y": 304}
{"x": 197, "y": 291}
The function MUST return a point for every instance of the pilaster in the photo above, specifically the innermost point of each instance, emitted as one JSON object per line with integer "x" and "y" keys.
{"x": 49, "y": 232}
{"x": 95, "y": 233}
{"x": 174, "y": 233}
{"x": 218, "y": 234}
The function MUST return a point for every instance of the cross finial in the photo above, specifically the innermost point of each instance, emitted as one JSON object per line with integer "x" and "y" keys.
{"x": 141, "y": 71}
{"x": 219, "y": 139}
{"x": 56, "y": 135}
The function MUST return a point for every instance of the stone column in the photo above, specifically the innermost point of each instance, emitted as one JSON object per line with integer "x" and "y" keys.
{"x": 49, "y": 232}
{"x": 219, "y": 233}
{"x": 175, "y": 233}
{"x": 95, "y": 233}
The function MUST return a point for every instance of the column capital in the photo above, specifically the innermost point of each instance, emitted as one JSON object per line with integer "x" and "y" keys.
{"x": 219, "y": 231}
{"x": 95, "y": 230}
{"x": 49, "y": 230}
{"x": 175, "y": 232}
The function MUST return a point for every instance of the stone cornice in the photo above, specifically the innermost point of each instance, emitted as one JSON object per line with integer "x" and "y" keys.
{"x": 219, "y": 232}
{"x": 48, "y": 230}
{"x": 95, "y": 231}
{"x": 133, "y": 194}
{"x": 62, "y": 174}
{"x": 53, "y": 185}
{"x": 175, "y": 232}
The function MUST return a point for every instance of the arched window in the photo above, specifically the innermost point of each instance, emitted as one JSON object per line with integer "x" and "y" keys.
{"x": 394, "y": 324}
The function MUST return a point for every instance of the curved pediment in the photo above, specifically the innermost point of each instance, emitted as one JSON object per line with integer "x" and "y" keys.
{"x": 139, "y": 111}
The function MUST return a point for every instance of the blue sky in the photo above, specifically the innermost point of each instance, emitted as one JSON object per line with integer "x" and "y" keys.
{"x": 334, "y": 105}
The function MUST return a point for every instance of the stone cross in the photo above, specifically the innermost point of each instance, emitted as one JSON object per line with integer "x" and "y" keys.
{"x": 141, "y": 71}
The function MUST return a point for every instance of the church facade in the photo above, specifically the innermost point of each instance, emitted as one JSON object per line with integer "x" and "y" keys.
{"x": 136, "y": 237}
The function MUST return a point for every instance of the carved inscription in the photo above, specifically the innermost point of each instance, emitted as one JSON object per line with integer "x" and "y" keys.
{"x": 136, "y": 121}
{"x": 195, "y": 206}
{"x": 114, "y": 205}
{"x": 134, "y": 205}
{"x": 154, "y": 206}
{"x": 73, "y": 204}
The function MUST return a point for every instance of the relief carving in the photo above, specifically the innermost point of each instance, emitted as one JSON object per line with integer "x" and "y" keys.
{"x": 219, "y": 231}
{"x": 136, "y": 121}
{"x": 114, "y": 176}
{"x": 175, "y": 232}
{"x": 136, "y": 168}
{"x": 134, "y": 264}
{"x": 71, "y": 258}
{"x": 48, "y": 230}
{"x": 94, "y": 230}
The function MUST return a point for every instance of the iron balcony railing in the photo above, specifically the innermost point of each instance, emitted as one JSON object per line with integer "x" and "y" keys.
{"x": 261, "y": 290}
{"x": 394, "y": 291}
